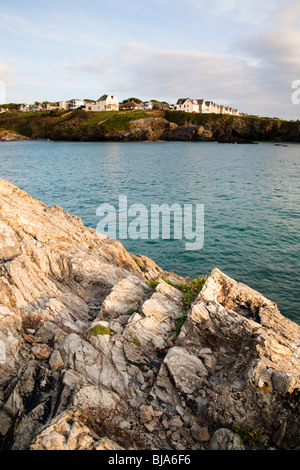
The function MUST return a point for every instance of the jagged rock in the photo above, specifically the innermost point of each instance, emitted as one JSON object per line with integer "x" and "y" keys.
{"x": 200, "y": 434}
{"x": 127, "y": 295}
{"x": 65, "y": 385}
{"x": 224, "y": 439}
{"x": 41, "y": 351}
{"x": 152, "y": 327}
{"x": 257, "y": 348}
{"x": 66, "y": 433}
{"x": 187, "y": 371}
{"x": 56, "y": 361}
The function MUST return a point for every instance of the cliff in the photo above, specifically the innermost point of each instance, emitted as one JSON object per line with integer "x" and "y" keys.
{"x": 128, "y": 126}
{"x": 95, "y": 355}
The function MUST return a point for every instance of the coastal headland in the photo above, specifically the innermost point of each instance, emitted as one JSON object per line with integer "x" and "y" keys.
{"x": 141, "y": 125}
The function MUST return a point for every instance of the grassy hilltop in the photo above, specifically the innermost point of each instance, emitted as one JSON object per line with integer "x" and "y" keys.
{"x": 69, "y": 125}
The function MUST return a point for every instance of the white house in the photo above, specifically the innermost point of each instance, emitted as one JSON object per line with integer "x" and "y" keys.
{"x": 24, "y": 108}
{"x": 50, "y": 106}
{"x": 74, "y": 104}
{"x": 30, "y": 108}
{"x": 104, "y": 103}
{"x": 62, "y": 104}
{"x": 188, "y": 105}
{"x": 148, "y": 105}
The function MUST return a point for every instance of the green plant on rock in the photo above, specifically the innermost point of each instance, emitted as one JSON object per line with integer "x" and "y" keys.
{"x": 190, "y": 293}
{"x": 130, "y": 313}
{"x": 100, "y": 330}
{"x": 179, "y": 323}
{"x": 193, "y": 290}
{"x": 190, "y": 290}
{"x": 152, "y": 284}
{"x": 251, "y": 436}
{"x": 139, "y": 263}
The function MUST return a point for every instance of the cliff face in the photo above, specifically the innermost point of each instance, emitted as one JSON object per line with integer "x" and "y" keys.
{"x": 140, "y": 126}
{"x": 232, "y": 129}
{"x": 91, "y": 356}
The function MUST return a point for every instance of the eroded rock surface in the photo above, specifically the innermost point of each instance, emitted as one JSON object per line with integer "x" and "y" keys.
{"x": 88, "y": 356}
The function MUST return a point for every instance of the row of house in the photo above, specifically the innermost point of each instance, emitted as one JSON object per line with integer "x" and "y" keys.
{"x": 111, "y": 103}
{"x": 46, "y": 106}
{"x": 105, "y": 103}
{"x": 201, "y": 106}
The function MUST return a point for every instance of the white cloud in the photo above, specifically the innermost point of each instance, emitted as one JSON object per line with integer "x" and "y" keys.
{"x": 277, "y": 49}
{"x": 148, "y": 72}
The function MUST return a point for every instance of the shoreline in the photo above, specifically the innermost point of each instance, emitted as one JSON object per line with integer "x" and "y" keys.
{"x": 13, "y": 137}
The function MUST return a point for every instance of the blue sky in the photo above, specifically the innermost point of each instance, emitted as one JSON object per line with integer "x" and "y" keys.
{"x": 244, "y": 54}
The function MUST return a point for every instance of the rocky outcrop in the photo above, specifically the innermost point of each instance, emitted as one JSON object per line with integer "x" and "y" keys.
{"x": 149, "y": 129}
{"x": 89, "y": 358}
{"x": 9, "y": 136}
{"x": 236, "y": 130}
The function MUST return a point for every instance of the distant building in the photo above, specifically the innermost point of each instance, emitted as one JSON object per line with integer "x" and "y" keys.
{"x": 104, "y": 103}
{"x": 62, "y": 105}
{"x": 201, "y": 106}
{"x": 30, "y": 108}
{"x": 50, "y": 106}
{"x": 131, "y": 105}
{"x": 74, "y": 104}
{"x": 188, "y": 105}
{"x": 47, "y": 106}
{"x": 148, "y": 105}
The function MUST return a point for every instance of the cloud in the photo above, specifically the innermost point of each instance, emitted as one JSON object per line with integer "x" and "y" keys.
{"x": 252, "y": 56}
{"x": 163, "y": 74}
{"x": 277, "y": 47}
{"x": 261, "y": 85}
{"x": 276, "y": 51}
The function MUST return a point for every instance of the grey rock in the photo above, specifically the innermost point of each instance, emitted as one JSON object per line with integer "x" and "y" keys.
{"x": 224, "y": 439}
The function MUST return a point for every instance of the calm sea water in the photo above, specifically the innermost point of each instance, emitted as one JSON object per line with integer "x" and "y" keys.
{"x": 251, "y": 195}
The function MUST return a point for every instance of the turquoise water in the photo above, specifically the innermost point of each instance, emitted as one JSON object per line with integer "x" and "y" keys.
{"x": 251, "y": 196}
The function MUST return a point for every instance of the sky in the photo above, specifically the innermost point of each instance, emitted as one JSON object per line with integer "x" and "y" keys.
{"x": 244, "y": 54}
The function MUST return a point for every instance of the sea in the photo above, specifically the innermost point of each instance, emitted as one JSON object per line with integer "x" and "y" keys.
{"x": 249, "y": 195}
